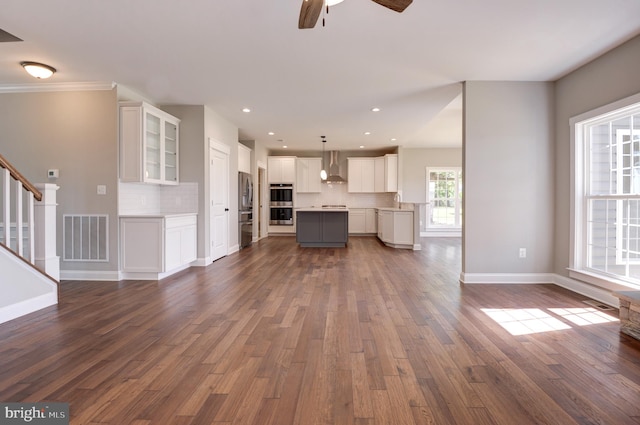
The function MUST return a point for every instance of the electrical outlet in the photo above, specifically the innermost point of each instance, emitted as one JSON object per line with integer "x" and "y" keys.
{"x": 102, "y": 189}
{"x": 523, "y": 253}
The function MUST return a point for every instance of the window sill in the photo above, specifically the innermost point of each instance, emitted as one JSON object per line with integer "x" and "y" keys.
{"x": 609, "y": 283}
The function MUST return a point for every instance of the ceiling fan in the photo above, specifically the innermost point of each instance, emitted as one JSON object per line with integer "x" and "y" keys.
{"x": 310, "y": 10}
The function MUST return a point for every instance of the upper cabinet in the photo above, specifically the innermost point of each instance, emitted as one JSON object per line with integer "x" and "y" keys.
{"x": 390, "y": 173}
{"x": 149, "y": 144}
{"x": 308, "y": 175}
{"x": 244, "y": 159}
{"x": 361, "y": 175}
{"x": 367, "y": 175}
{"x": 282, "y": 169}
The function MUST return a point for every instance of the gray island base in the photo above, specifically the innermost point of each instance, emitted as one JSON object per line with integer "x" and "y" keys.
{"x": 321, "y": 227}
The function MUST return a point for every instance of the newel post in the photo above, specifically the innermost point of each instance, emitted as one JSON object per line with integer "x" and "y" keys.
{"x": 45, "y": 231}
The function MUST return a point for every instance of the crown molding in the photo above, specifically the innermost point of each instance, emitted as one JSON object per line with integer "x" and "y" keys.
{"x": 50, "y": 87}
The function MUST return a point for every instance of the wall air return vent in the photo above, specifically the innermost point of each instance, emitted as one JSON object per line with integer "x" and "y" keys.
{"x": 85, "y": 237}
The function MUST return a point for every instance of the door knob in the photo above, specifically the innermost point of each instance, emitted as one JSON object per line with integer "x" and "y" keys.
{"x": 226, "y": 209}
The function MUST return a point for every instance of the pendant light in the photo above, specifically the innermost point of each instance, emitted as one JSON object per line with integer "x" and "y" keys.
{"x": 323, "y": 172}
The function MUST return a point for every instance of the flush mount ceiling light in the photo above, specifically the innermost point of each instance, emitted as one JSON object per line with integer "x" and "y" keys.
{"x": 38, "y": 70}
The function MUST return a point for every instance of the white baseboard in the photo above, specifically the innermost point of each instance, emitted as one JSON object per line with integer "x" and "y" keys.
{"x": 14, "y": 311}
{"x": 506, "y": 278}
{"x": 201, "y": 262}
{"x": 90, "y": 275}
{"x": 441, "y": 234}
{"x": 590, "y": 291}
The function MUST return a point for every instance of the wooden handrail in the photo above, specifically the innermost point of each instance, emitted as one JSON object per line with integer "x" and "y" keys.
{"x": 16, "y": 175}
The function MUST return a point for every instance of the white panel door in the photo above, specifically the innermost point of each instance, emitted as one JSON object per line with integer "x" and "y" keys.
{"x": 219, "y": 186}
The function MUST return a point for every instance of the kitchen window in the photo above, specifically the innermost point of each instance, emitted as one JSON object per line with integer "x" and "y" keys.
{"x": 444, "y": 198}
{"x": 607, "y": 195}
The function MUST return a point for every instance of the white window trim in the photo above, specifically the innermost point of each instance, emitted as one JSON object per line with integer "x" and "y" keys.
{"x": 458, "y": 208}
{"x": 578, "y": 217}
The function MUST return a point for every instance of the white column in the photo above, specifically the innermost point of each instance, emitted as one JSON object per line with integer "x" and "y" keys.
{"x": 45, "y": 228}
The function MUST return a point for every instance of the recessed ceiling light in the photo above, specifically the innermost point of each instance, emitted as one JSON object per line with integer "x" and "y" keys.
{"x": 247, "y": 110}
{"x": 375, "y": 109}
{"x": 361, "y": 146}
{"x": 394, "y": 139}
{"x": 284, "y": 146}
{"x": 271, "y": 133}
{"x": 366, "y": 133}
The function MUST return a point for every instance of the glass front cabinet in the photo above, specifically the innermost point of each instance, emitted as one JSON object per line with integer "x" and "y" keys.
{"x": 149, "y": 144}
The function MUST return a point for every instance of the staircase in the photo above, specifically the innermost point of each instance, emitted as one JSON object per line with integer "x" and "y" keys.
{"x": 25, "y": 254}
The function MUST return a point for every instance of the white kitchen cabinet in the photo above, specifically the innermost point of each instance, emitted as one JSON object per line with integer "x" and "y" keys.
{"x": 281, "y": 169}
{"x": 395, "y": 228}
{"x": 373, "y": 174}
{"x": 380, "y": 176}
{"x": 244, "y": 159}
{"x": 361, "y": 175}
{"x": 390, "y": 173}
{"x": 149, "y": 144}
{"x": 357, "y": 220}
{"x": 308, "y": 175}
{"x": 154, "y": 247}
{"x": 371, "y": 220}
{"x": 363, "y": 221}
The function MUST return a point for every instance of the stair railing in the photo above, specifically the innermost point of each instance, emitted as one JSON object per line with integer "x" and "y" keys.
{"x": 21, "y": 186}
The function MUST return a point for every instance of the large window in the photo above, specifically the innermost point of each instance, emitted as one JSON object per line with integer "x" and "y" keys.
{"x": 444, "y": 197}
{"x": 607, "y": 188}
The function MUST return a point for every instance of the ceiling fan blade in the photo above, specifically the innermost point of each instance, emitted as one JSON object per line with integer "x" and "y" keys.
{"x": 309, "y": 13}
{"x": 397, "y": 5}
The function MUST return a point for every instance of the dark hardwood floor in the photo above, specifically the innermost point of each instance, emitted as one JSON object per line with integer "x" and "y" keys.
{"x": 278, "y": 334}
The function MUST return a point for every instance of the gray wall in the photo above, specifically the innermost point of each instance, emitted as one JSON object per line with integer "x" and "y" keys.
{"x": 508, "y": 177}
{"x": 611, "y": 77}
{"x": 414, "y": 169}
{"x": 77, "y": 133}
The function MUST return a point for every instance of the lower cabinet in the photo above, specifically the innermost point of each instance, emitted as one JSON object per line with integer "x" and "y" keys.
{"x": 362, "y": 221}
{"x": 395, "y": 228}
{"x": 322, "y": 228}
{"x": 357, "y": 220}
{"x": 154, "y": 247}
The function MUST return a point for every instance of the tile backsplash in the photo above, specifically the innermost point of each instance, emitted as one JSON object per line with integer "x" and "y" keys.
{"x": 140, "y": 198}
{"x": 337, "y": 194}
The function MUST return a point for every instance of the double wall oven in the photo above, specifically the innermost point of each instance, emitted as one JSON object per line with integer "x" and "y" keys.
{"x": 281, "y": 204}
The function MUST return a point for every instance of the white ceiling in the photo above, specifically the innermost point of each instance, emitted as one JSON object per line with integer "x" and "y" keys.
{"x": 301, "y": 84}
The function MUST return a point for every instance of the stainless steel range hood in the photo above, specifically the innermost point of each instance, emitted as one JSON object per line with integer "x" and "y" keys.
{"x": 334, "y": 170}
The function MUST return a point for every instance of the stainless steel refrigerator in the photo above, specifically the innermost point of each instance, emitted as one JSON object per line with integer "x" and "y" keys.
{"x": 245, "y": 206}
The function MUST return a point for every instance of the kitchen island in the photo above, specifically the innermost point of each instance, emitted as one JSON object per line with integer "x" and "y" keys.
{"x": 322, "y": 227}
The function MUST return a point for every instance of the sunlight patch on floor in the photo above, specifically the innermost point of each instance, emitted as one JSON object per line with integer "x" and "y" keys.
{"x": 584, "y": 316}
{"x": 525, "y": 321}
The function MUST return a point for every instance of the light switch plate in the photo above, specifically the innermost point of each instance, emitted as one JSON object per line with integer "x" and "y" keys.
{"x": 102, "y": 189}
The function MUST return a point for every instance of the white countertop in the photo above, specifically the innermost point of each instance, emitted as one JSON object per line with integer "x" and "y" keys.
{"x": 320, "y": 209}
{"x": 157, "y": 215}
